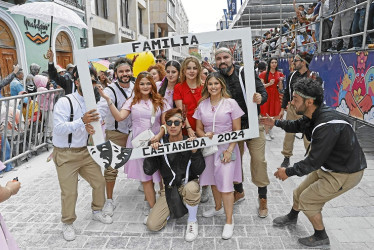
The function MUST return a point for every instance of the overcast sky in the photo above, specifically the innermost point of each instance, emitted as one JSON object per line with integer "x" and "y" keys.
{"x": 203, "y": 15}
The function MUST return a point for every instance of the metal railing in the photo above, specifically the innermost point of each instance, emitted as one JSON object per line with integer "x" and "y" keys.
{"x": 364, "y": 33}
{"x": 26, "y": 124}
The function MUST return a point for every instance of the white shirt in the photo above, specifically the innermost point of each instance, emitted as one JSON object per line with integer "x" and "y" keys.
{"x": 104, "y": 111}
{"x": 62, "y": 126}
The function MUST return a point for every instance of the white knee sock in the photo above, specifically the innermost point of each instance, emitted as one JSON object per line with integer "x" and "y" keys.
{"x": 192, "y": 212}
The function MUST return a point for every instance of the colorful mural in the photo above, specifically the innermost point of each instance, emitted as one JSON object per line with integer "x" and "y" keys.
{"x": 348, "y": 82}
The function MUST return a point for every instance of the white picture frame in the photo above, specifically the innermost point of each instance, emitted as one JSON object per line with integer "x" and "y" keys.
{"x": 83, "y": 56}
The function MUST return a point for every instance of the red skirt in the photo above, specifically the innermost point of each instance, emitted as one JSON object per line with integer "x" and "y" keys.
{"x": 273, "y": 105}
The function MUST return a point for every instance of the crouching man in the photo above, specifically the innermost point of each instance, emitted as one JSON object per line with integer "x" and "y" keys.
{"x": 334, "y": 165}
{"x": 180, "y": 173}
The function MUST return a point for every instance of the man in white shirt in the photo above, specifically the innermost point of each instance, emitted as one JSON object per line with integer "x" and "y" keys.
{"x": 71, "y": 157}
{"x": 119, "y": 91}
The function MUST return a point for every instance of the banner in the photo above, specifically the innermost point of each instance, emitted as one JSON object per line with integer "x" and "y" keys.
{"x": 348, "y": 81}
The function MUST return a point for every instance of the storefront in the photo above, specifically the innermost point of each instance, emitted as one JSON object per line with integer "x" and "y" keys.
{"x": 25, "y": 41}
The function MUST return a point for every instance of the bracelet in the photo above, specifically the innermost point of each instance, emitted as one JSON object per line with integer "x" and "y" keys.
{"x": 110, "y": 103}
{"x": 188, "y": 127}
{"x": 228, "y": 151}
{"x": 83, "y": 120}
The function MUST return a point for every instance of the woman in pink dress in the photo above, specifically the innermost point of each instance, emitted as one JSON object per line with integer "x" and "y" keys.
{"x": 220, "y": 171}
{"x": 140, "y": 105}
{"x": 166, "y": 87}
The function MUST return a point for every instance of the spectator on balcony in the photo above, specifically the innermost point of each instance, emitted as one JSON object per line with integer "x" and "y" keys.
{"x": 358, "y": 25}
{"x": 342, "y": 22}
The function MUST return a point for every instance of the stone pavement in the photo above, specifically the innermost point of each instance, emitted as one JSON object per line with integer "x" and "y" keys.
{"x": 33, "y": 215}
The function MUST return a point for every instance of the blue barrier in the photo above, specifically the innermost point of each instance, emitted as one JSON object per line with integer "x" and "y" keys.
{"x": 348, "y": 82}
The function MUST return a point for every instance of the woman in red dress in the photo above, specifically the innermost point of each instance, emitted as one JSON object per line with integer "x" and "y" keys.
{"x": 188, "y": 93}
{"x": 272, "y": 80}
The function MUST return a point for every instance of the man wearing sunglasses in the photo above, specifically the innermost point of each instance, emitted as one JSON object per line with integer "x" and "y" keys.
{"x": 161, "y": 59}
{"x": 180, "y": 173}
{"x": 301, "y": 66}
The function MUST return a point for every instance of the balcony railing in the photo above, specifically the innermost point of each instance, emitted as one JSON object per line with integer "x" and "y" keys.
{"x": 75, "y": 3}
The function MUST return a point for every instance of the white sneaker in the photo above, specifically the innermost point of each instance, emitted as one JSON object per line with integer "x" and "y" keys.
{"x": 109, "y": 207}
{"x": 191, "y": 231}
{"x": 68, "y": 232}
{"x": 271, "y": 134}
{"x": 228, "y": 231}
{"x": 267, "y": 137}
{"x": 212, "y": 212}
{"x": 145, "y": 220}
{"x": 140, "y": 187}
{"x": 103, "y": 218}
{"x": 204, "y": 194}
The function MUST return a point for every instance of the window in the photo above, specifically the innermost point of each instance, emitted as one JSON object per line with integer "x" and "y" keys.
{"x": 96, "y": 7}
{"x": 105, "y": 8}
{"x": 125, "y": 13}
{"x": 171, "y": 8}
{"x": 140, "y": 20}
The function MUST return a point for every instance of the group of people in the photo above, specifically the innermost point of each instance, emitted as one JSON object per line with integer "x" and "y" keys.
{"x": 179, "y": 106}
{"x": 178, "y": 102}
{"x": 297, "y": 34}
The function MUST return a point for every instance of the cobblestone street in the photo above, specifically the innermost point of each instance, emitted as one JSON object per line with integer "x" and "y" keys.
{"x": 33, "y": 215}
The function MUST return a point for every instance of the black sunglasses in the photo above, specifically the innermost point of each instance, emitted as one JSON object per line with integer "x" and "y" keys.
{"x": 176, "y": 123}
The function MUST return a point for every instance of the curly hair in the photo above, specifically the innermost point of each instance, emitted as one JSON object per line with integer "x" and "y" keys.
{"x": 160, "y": 70}
{"x": 122, "y": 60}
{"x": 184, "y": 68}
{"x": 157, "y": 99}
{"x": 312, "y": 88}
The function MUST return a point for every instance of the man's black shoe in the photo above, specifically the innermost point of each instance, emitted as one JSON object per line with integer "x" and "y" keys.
{"x": 282, "y": 221}
{"x": 286, "y": 162}
{"x": 312, "y": 241}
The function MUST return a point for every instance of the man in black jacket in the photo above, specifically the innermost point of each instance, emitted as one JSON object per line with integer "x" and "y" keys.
{"x": 334, "y": 165}
{"x": 256, "y": 146}
{"x": 301, "y": 64}
{"x": 180, "y": 173}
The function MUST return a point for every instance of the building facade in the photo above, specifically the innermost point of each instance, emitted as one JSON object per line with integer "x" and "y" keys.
{"x": 117, "y": 21}
{"x": 168, "y": 18}
{"x": 26, "y": 40}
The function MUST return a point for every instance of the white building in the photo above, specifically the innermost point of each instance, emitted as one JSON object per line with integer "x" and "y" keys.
{"x": 117, "y": 21}
{"x": 168, "y": 18}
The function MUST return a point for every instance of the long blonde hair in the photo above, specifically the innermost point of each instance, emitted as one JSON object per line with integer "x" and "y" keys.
{"x": 205, "y": 94}
{"x": 184, "y": 68}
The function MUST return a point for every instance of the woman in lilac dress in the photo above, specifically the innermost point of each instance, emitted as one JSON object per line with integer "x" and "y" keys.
{"x": 140, "y": 106}
{"x": 221, "y": 171}
{"x": 166, "y": 87}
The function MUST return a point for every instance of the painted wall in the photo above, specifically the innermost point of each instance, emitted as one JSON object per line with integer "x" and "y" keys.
{"x": 34, "y": 51}
{"x": 348, "y": 82}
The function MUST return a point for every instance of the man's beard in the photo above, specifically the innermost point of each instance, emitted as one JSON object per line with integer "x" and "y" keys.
{"x": 225, "y": 71}
{"x": 120, "y": 79}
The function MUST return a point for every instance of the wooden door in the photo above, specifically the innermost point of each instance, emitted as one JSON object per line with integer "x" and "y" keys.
{"x": 64, "y": 50}
{"x": 8, "y": 54}
{"x": 64, "y": 58}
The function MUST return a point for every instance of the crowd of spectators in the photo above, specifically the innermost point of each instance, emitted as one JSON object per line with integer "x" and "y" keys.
{"x": 301, "y": 33}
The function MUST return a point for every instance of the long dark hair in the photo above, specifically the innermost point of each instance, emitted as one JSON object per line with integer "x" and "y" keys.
{"x": 268, "y": 69}
{"x": 165, "y": 82}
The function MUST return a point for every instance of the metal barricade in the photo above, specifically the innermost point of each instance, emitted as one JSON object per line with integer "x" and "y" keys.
{"x": 26, "y": 123}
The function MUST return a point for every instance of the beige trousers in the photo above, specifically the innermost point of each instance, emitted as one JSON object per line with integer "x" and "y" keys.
{"x": 319, "y": 187}
{"x": 289, "y": 138}
{"x": 110, "y": 174}
{"x": 258, "y": 164}
{"x": 158, "y": 215}
{"x": 69, "y": 163}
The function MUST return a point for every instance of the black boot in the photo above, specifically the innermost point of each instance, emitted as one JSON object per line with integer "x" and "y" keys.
{"x": 286, "y": 162}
